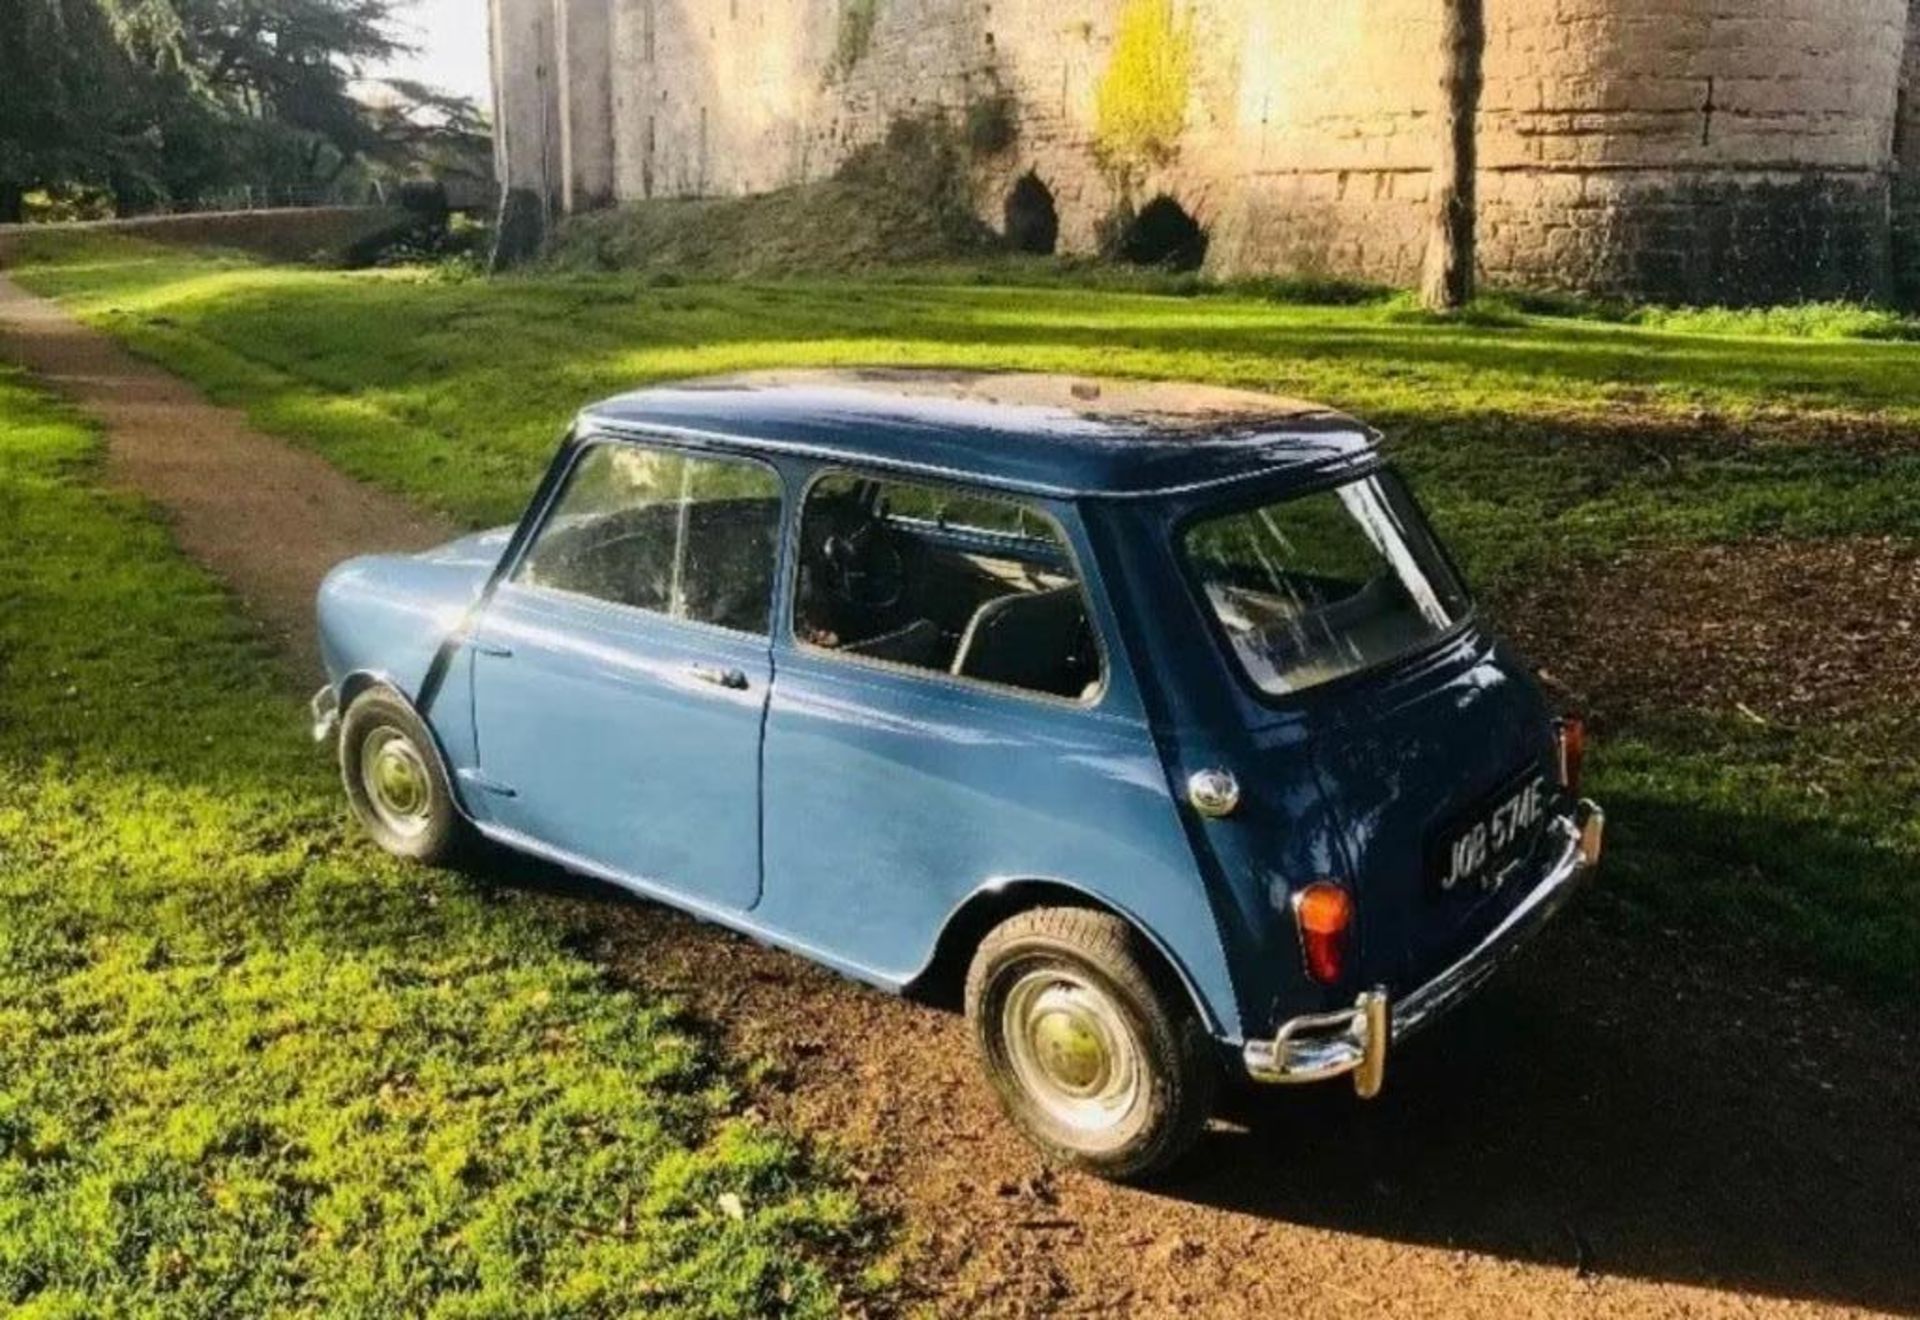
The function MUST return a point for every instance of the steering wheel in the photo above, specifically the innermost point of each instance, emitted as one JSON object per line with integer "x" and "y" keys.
{"x": 864, "y": 567}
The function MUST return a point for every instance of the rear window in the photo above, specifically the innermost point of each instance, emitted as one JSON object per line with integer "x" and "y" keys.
{"x": 1315, "y": 587}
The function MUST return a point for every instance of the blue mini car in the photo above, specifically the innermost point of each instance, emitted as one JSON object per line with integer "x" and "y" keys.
{"x": 1151, "y": 722}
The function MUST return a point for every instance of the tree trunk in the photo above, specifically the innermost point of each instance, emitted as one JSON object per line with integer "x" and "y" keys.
{"x": 1447, "y": 283}
{"x": 13, "y": 201}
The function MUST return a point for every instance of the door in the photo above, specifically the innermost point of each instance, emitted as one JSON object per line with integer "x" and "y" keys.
{"x": 947, "y": 718}
{"x": 621, "y": 671}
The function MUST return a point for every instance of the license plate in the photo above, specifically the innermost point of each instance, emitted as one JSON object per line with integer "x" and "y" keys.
{"x": 1480, "y": 852}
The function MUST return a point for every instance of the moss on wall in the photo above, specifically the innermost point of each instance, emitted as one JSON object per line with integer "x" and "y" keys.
{"x": 854, "y": 36}
{"x": 1140, "y": 102}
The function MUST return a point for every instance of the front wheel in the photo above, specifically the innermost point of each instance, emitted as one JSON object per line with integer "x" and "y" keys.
{"x": 396, "y": 782}
{"x": 1099, "y": 1062}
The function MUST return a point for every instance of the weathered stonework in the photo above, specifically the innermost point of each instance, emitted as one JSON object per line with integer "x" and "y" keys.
{"x": 1906, "y": 164}
{"x": 1723, "y": 150}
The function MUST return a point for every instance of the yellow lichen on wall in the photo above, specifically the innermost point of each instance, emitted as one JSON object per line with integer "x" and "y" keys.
{"x": 1140, "y": 102}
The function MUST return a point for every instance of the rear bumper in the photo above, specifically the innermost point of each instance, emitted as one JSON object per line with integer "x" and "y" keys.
{"x": 1317, "y": 1046}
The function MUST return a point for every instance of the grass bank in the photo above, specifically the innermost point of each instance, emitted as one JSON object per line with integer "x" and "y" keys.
{"x": 1555, "y": 451}
{"x": 249, "y": 1067}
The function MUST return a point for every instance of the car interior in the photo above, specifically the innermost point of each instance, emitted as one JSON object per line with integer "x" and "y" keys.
{"x": 894, "y": 572}
{"x": 710, "y": 561}
{"x": 901, "y": 574}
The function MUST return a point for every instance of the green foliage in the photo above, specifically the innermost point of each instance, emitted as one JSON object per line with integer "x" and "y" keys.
{"x": 1832, "y": 320}
{"x": 63, "y": 89}
{"x": 150, "y": 101}
{"x": 1800, "y": 842}
{"x": 1140, "y": 102}
{"x": 250, "y": 1067}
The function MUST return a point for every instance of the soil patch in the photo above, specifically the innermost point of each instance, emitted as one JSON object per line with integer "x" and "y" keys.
{"x": 1612, "y": 1129}
{"x": 1793, "y": 631}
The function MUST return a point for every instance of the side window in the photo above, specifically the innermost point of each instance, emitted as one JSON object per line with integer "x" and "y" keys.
{"x": 684, "y": 536}
{"x": 960, "y": 583}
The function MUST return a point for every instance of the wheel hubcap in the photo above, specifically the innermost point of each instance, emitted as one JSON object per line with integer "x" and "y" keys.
{"x": 1073, "y": 1050}
{"x": 396, "y": 779}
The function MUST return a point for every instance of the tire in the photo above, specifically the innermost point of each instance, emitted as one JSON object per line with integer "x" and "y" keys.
{"x": 396, "y": 781}
{"x": 1099, "y": 1061}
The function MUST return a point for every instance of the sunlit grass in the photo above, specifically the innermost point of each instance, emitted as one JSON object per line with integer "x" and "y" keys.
{"x": 250, "y": 1067}
{"x": 1539, "y": 440}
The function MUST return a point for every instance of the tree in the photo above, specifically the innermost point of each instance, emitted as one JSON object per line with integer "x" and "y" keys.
{"x": 417, "y": 126}
{"x": 1447, "y": 282}
{"x": 63, "y": 97}
{"x": 163, "y": 100}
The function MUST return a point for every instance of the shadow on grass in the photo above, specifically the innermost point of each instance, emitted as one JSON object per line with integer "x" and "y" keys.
{"x": 1637, "y": 1097}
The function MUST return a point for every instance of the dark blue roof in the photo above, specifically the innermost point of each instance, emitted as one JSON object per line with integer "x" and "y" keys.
{"x": 1055, "y": 435}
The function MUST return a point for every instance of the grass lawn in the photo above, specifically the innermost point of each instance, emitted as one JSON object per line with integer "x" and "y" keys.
{"x": 248, "y": 1067}
{"x": 1549, "y": 448}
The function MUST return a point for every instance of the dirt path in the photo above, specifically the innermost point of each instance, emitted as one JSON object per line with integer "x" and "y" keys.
{"x": 266, "y": 517}
{"x": 1624, "y": 1125}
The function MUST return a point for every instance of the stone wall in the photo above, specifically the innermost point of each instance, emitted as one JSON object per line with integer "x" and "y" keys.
{"x": 1906, "y": 164}
{"x": 1693, "y": 149}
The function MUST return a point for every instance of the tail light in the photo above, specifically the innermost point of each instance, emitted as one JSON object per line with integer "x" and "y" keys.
{"x": 1324, "y": 913}
{"x": 1573, "y": 751}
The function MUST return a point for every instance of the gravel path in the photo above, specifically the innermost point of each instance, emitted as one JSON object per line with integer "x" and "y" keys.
{"x": 1624, "y": 1125}
{"x": 266, "y": 517}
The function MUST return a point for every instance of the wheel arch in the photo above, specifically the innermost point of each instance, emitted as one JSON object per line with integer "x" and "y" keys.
{"x": 943, "y": 978}
{"x": 354, "y": 684}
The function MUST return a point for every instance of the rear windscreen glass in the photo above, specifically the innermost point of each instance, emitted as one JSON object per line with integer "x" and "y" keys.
{"x": 1318, "y": 586}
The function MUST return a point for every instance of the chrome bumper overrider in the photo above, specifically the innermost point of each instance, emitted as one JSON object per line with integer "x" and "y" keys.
{"x": 1316, "y": 1046}
{"x": 326, "y": 713}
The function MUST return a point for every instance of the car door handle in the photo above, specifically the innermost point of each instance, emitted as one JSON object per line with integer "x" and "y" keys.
{"x": 735, "y": 679}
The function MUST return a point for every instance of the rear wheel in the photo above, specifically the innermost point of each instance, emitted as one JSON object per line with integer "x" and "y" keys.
{"x": 395, "y": 780}
{"x": 1102, "y": 1065}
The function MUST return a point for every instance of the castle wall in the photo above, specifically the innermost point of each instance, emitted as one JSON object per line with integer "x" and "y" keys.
{"x": 1906, "y": 164}
{"x": 526, "y": 143}
{"x": 582, "y": 36}
{"x": 1697, "y": 149}
{"x": 1694, "y": 149}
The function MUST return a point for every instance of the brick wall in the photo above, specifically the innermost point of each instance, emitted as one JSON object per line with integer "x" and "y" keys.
{"x": 1701, "y": 149}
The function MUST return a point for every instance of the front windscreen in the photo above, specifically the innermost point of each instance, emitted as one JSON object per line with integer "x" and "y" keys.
{"x": 1321, "y": 585}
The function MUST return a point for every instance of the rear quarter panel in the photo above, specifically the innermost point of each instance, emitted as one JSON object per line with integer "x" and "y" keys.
{"x": 1284, "y": 833}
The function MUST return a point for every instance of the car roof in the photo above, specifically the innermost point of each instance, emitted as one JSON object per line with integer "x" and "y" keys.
{"x": 1052, "y": 435}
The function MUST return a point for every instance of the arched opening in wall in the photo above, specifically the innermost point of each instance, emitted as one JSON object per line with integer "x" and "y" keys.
{"x": 1032, "y": 224}
{"x": 1163, "y": 234}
